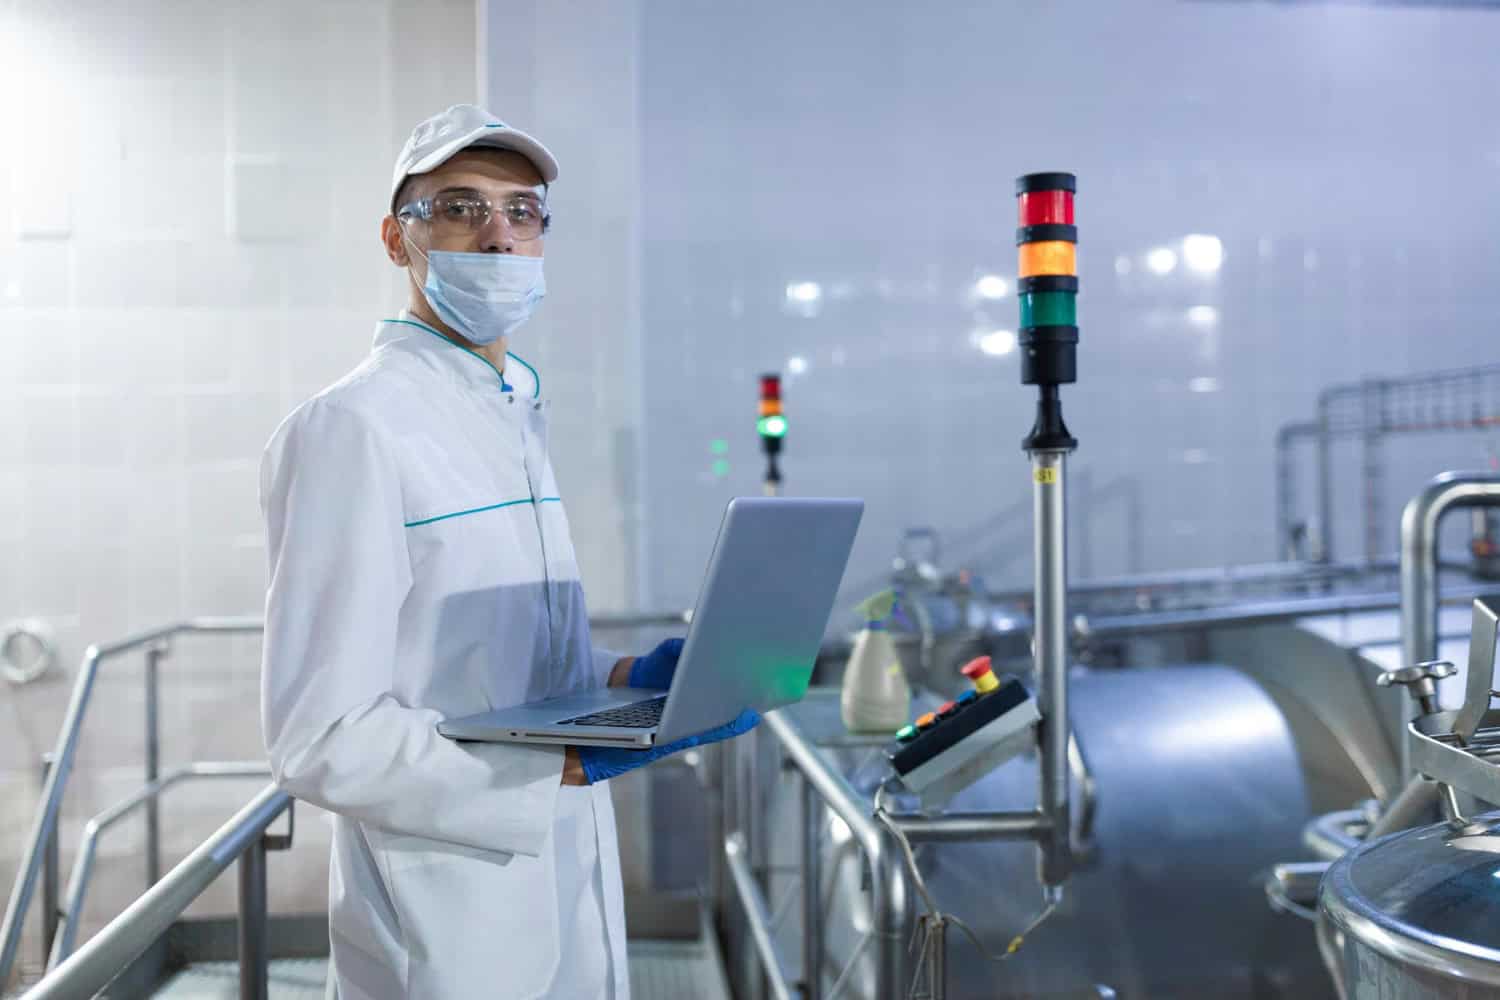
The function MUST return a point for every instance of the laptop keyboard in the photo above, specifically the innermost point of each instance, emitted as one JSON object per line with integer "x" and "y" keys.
{"x": 637, "y": 715}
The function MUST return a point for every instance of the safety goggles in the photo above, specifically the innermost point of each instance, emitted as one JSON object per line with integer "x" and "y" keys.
{"x": 458, "y": 212}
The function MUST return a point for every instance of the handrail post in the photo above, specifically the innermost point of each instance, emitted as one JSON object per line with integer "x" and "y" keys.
{"x": 154, "y": 655}
{"x": 51, "y": 867}
{"x": 254, "y": 952}
{"x": 812, "y": 880}
{"x": 44, "y": 826}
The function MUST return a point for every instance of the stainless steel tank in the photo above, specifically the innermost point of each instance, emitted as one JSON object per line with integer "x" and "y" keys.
{"x": 1200, "y": 790}
{"x": 1416, "y": 915}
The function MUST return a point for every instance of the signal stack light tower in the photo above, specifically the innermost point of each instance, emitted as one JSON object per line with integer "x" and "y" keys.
{"x": 1048, "y": 292}
{"x": 772, "y": 428}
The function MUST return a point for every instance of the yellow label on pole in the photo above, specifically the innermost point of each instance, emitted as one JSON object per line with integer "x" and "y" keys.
{"x": 1047, "y": 476}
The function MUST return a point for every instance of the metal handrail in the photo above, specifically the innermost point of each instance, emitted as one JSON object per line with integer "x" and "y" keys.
{"x": 41, "y": 845}
{"x": 83, "y": 867}
{"x": 128, "y": 936}
{"x": 886, "y": 879}
{"x": 44, "y": 827}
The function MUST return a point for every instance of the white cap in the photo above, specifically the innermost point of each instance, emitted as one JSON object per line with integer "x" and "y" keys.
{"x": 436, "y": 140}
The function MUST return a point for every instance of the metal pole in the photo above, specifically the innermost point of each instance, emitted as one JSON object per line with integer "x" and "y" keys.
{"x": 1324, "y": 551}
{"x": 812, "y": 880}
{"x": 1373, "y": 467}
{"x": 254, "y": 954}
{"x": 1051, "y": 653}
{"x": 750, "y": 830}
{"x": 758, "y": 916}
{"x": 51, "y": 866}
{"x": 1286, "y": 498}
{"x": 974, "y": 827}
{"x": 937, "y": 958}
{"x": 154, "y": 656}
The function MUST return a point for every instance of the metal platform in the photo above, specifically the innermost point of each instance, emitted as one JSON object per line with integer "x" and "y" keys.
{"x": 290, "y": 979}
{"x": 659, "y": 970}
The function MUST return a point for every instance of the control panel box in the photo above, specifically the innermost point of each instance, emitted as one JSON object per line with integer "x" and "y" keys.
{"x": 948, "y": 750}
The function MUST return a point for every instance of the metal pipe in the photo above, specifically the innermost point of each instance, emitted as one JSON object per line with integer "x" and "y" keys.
{"x": 1286, "y": 483}
{"x": 757, "y": 915}
{"x": 972, "y": 827}
{"x": 1372, "y": 467}
{"x": 124, "y": 939}
{"x": 254, "y": 950}
{"x": 1412, "y": 807}
{"x": 1260, "y": 612}
{"x": 51, "y": 868}
{"x": 812, "y": 916}
{"x": 1328, "y": 835}
{"x": 1050, "y": 643}
{"x": 1421, "y": 526}
{"x": 45, "y": 822}
{"x": 1324, "y": 550}
{"x": 154, "y": 656}
{"x": 1251, "y": 573}
{"x": 1294, "y": 887}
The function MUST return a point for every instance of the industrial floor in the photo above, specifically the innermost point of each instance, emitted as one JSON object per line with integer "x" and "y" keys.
{"x": 659, "y": 970}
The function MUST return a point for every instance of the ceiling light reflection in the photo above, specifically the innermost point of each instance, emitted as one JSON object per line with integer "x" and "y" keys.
{"x": 1204, "y": 316}
{"x": 804, "y": 292}
{"x": 1204, "y": 254}
{"x": 991, "y": 286}
{"x": 997, "y": 343}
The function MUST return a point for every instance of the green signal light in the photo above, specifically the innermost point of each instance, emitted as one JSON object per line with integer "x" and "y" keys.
{"x": 771, "y": 427}
{"x": 719, "y": 446}
{"x": 721, "y": 467}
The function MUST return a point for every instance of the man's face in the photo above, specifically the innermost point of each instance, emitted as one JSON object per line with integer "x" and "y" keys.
{"x": 505, "y": 180}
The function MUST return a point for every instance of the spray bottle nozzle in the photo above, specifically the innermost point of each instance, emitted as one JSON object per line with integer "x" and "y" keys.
{"x": 877, "y": 607}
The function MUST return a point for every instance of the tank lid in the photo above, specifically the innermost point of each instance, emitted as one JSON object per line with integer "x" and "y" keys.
{"x": 1429, "y": 897}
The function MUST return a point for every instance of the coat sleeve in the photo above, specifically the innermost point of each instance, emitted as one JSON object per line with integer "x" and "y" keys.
{"x": 604, "y": 663}
{"x": 337, "y": 735}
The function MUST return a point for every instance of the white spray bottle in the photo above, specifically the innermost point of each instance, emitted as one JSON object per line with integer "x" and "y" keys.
{"x": 876, "y": 697}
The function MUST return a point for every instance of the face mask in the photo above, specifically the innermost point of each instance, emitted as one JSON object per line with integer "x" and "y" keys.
{"x": 483, "y": 296}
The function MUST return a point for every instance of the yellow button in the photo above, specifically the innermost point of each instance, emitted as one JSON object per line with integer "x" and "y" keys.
{"x": 926, "y": 720}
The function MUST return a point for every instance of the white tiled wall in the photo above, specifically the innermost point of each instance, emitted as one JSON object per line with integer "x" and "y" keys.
{"x": 571, "y": 71}
{"x": 1347, "y": 155}
{"x": 190, "y": 198}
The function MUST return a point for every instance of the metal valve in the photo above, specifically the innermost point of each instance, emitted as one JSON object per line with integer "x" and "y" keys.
{"x": 1420, "y": 681}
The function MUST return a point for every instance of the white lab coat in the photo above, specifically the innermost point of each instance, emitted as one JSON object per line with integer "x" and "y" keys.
{"x": 421, "y": 568}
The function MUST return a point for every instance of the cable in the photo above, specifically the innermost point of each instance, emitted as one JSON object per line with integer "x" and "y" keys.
{"x": 924, "y": 941}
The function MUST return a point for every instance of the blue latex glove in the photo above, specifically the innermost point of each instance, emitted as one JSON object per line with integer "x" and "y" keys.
{"x": 655, "y": 669}
{"x": 603, "y": 763}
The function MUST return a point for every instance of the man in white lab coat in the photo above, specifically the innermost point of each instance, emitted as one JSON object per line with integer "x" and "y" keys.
{"x": 421, "y": 568}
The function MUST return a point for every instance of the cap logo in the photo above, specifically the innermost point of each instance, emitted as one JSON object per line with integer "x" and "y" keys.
{"x": 494, "y": 124}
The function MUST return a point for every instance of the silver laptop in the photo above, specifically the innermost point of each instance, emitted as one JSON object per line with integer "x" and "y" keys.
{"x": 755, "y": 633}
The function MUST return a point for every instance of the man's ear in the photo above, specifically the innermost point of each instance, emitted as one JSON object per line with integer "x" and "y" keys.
{"x": 395, "y": 246}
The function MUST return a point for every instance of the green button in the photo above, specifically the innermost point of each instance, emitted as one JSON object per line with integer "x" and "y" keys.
{"x": 1049, "y": 309}
{"x": 906, "y": 732}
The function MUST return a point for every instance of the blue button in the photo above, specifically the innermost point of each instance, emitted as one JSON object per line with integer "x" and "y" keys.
{"x": 968, "y": 696}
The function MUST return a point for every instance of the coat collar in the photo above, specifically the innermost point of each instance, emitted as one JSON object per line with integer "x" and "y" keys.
{"x": 408, "y": 334}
